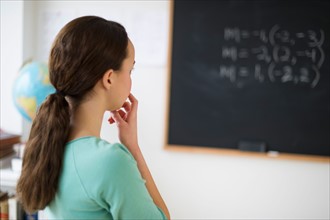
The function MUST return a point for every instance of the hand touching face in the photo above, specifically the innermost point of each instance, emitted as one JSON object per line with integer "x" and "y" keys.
{"x": 126, "y": 121}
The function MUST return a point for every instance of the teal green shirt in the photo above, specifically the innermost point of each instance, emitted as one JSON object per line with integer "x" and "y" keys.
{"x": 100, "y": 180}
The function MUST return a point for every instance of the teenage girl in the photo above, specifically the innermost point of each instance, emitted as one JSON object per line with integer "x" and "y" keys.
{"x": 68, "y": 170}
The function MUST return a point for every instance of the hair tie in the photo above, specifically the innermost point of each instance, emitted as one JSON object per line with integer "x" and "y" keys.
{"x": 60, "y": 93}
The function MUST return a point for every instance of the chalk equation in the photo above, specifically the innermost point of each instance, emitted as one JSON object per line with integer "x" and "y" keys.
{"x": 274, "y": 55}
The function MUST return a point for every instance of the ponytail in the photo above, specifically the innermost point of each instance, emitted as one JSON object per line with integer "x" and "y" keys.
{"x": 82, "y": 52}
{"x": 43, "y": 156}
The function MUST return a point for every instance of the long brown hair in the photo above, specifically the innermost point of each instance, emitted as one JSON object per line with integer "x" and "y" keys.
{"x": 82, "y": 52}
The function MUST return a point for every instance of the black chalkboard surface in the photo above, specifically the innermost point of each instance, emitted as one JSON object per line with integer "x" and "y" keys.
{"x": 250, "y": 71}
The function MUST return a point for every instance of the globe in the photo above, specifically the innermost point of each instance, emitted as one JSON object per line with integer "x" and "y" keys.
{"x": 30, "y": 88}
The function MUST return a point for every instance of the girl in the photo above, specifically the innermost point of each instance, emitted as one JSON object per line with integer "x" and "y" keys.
{"x": 67, "y": 168}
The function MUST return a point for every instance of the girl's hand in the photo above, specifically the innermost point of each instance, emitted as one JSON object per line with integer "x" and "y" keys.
{"x": 126, "y": 121}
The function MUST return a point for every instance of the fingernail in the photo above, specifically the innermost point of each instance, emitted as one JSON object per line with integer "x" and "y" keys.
{"x": 111, "y": 121}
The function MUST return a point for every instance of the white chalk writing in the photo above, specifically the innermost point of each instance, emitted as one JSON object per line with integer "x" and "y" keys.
{"x": 275, "y": 55}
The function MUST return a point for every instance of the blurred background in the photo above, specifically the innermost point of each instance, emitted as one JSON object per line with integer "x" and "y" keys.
{"x": 194, "y": 185}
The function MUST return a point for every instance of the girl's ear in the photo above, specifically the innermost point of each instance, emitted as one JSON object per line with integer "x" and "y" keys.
{"x": 107, "y": 79}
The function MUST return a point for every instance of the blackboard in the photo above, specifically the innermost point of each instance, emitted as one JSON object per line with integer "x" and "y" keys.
{"x": 250, "y": 71}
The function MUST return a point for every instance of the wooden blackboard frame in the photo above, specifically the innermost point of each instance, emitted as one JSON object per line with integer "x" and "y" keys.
{"x": 220, "y": 151}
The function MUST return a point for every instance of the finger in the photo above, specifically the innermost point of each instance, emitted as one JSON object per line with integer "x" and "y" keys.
{"x": 127, "y": 106}
{"x": 133, "y": 113}
{"x": 132, "y": 98}
{"x": 116, "y": 116}
{"x": 134, "y": 102}
{"x": 122, "y": 114}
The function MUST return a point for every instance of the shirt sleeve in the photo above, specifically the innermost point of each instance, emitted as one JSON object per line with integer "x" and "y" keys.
{"x": 124, "y": 189}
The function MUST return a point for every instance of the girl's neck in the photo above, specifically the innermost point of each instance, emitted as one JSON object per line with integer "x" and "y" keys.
{"x": 86, "y": 120}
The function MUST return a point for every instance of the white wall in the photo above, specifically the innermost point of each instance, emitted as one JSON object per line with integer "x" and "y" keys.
{"x": 195, "y": 186}
{"x": 11, "y": 61}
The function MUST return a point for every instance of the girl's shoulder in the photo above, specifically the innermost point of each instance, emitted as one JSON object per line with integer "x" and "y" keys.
{"x": 95, "y": 150}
